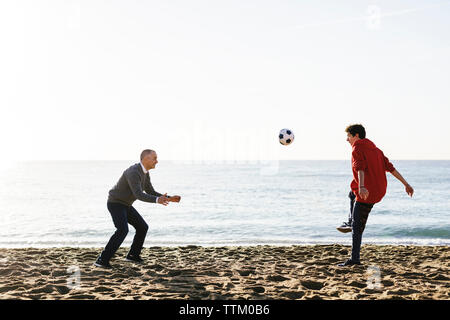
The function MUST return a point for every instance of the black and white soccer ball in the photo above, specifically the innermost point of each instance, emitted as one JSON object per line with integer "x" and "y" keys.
{"x": 286, "y": 136}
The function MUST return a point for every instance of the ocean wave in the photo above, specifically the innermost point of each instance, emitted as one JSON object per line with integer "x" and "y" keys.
{"x": 422, "y": 232}
{"x": 241, "y": 242}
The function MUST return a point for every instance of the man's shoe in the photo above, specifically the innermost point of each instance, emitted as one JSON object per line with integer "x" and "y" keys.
{"x": 102, "y": 264}
{"x": 349, "y": 262}
{"x": 345, "y": 227}
{"x": 136, "y": 259}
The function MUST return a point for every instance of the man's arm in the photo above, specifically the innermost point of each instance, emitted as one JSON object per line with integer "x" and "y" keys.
{"x": 149, "y": 188}
{"x": 135, "y": 186}
{"x": 409, "y": 190}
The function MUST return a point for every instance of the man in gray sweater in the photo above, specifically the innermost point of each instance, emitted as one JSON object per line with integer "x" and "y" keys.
{"x": 131, "y": 186}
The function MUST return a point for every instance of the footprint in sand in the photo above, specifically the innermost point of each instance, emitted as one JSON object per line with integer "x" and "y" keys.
{"x": 83, "y": 296}
{"x": 45, "y": 289}
{"x": 6, "y": 272}
{"x": 103, "y": 272}
{"x": 133, "y": 273}
{"x": 59, "y": 273}
{"x": 402, "y": 292}
{"x": 293, "y": 294}
{"x": 340, "y": 270}
{"x": 387, "y": 283}
{"x": 103, "y": 289}
{"x": 245, "y": 273}
{"x": 227, "y": 274}
{"x": 412, "y": 275}
{"x": 62, "y": 289}
{"x": 156, "y": 267}
{"x": 358, "y": 284}
{"x": 228, "y": 285}
{"x": 8, "y": 288}
{"x": 440, "y": 277}
{"x": 372, "y": 291}
{"x": 258, "y": 289}
{"x": 173, "y": 273}
{"x": 312, "y": 285}
{"x": 276, "y": 278}
{"x": 209, "y": 273}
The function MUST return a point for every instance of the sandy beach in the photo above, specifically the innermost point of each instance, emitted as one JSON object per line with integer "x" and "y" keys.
{"x": 250, "y": 272}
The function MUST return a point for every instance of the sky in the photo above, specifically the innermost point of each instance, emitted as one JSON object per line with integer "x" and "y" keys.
{"x": 215, "y": 80}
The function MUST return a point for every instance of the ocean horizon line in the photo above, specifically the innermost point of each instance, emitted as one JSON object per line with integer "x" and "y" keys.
{"x": 209, "y": 160}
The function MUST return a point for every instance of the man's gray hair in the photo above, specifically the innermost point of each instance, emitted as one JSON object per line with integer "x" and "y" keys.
{"x": 145, "y": 153}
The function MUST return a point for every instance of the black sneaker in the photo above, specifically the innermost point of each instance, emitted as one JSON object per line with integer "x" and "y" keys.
{"x": 345, "y": 227}
{"x": 136, "y": 259}
{"x": 102, "y": 264}
{"x": 349, "y": 262}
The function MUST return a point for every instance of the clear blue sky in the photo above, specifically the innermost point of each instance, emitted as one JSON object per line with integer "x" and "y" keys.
{"x": 219, "y": 79}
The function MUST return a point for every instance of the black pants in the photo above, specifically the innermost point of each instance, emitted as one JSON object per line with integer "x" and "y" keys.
{"x": 121, "y": 216}
{"x": 359, "y": 213}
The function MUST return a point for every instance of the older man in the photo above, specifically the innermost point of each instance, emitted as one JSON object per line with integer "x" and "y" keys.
{"x": 131, "y": 186}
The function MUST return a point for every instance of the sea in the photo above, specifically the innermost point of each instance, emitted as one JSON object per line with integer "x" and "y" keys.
{"x": 63, "y": 204}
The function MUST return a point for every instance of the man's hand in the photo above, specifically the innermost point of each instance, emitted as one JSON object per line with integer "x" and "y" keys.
{"x": 363, "y": 193}
{"x": 175, "y": 198}
{"x": 163, "y": 200}
{"x": 409, "y": 190}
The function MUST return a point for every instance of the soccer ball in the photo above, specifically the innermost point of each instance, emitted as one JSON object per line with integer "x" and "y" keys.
{"x": 286, "y": 136}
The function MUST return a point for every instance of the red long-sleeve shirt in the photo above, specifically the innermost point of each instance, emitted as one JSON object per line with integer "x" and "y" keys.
{"x": 367, "y": 157}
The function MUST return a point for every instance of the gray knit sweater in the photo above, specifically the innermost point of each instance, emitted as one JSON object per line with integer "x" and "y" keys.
{"x": 131, "y": 186}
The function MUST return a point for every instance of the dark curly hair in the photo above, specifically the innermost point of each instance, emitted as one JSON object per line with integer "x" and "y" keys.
{"x": 354, "y": 129}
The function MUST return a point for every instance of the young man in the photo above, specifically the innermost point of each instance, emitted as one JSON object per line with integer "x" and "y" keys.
{"x": 369, "y": 166}
{"x": 131, "y": 186}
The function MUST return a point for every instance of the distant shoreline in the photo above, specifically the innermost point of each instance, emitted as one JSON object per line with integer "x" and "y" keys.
{"x": 414, "y": 242}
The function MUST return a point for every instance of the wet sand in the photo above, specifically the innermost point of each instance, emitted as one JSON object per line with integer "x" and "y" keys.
{"x": 250, "y": 272}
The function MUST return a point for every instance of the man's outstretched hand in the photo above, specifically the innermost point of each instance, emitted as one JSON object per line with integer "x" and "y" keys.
{"x": 175, "y": 198}
{"x": 409, "y": 190}
{"x": 164, "y": 200}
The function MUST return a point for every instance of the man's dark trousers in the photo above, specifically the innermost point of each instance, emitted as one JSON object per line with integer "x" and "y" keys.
{"x": 359, "y": 213}
{"x": 121, "y": 216}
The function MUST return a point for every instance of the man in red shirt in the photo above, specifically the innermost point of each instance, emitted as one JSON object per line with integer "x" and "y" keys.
{"x": 369, "y": 166}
